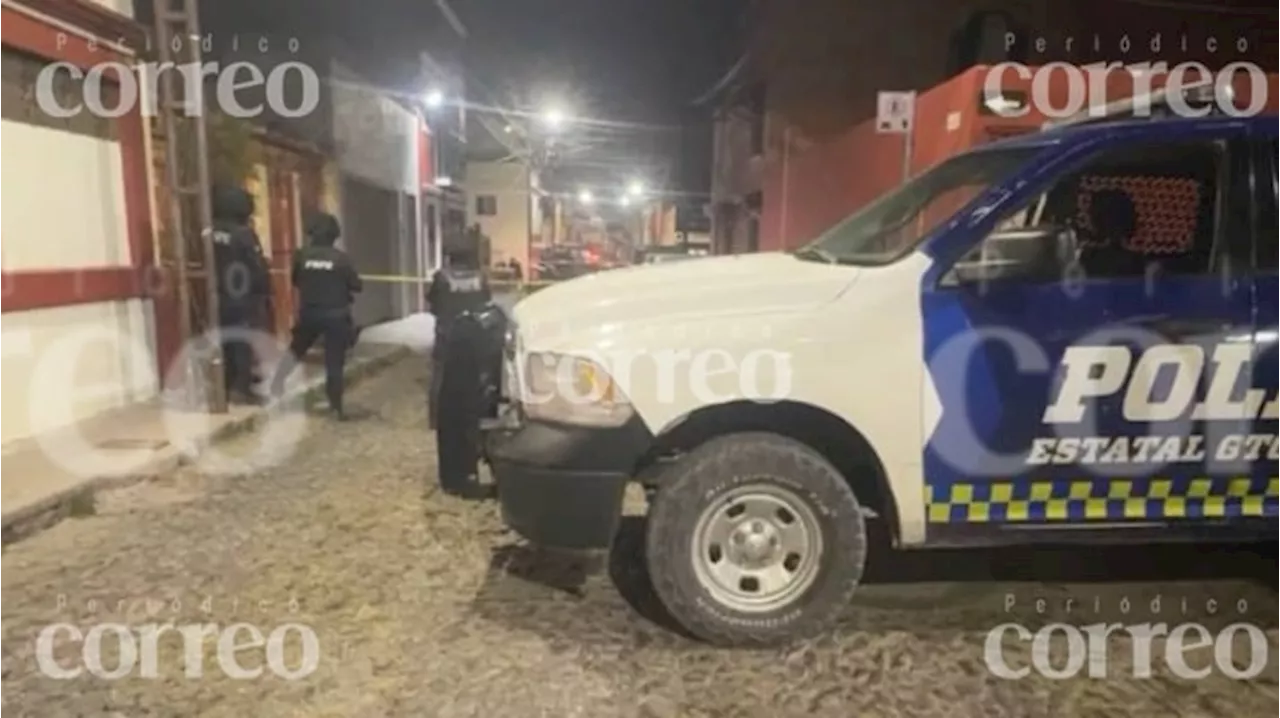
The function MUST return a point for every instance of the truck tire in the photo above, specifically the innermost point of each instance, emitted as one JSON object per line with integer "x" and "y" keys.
{"x": 755, "y": 540}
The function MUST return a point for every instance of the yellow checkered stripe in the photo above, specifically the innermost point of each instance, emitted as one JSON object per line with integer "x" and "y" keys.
{"x": 1102, "y": 499}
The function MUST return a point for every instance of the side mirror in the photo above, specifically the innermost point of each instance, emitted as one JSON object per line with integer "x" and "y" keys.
{"x": 1029, "y": 252}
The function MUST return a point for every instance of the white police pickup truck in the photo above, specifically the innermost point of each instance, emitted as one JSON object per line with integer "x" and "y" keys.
{"x": 1067, "y": 336}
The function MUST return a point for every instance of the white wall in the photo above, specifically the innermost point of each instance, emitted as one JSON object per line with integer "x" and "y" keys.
{"x": 64, "y": 364}
{"x": 63, "y": 207}
{"x": 376, "y": 137}
{"x": 508, "y": 230}
{"x": 63, "y": 200}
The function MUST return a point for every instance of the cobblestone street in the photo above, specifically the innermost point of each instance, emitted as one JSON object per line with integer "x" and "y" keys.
{"x": 423, "y": 605}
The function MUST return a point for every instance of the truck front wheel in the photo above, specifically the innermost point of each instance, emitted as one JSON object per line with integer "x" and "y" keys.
{"x": 755, "y": 540}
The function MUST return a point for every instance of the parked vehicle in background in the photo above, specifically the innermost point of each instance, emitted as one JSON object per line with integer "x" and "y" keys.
{"x": 563, "y": 261}
{"x": 661, "y": 257}
{"x": 673, "y": 253}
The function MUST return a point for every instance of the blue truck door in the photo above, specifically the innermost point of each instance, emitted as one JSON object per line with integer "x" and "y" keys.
{"x": 1265, "y": 147}
{"x": 1096, "y": 394}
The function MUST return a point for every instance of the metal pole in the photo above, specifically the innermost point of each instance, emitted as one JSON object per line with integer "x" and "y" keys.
{"x": 908, "y": 144}
{"x": 177, "y": 219}
{"x": 786, "y": 185}
{"x": 176, "y": 229}
{"x": 180, "y": 148}
{"x": 216, "y": 379}
{"x": 528, "y": 211}
{"x": 419, "y": 210}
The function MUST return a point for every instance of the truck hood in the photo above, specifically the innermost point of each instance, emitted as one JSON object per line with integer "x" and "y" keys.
{"x": 693, "y": 290}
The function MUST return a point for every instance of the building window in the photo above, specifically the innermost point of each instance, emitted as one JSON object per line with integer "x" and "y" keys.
{"x": 486, "y": 205}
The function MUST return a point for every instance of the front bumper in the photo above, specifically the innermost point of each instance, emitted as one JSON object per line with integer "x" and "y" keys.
{"x": 561, "y": 486}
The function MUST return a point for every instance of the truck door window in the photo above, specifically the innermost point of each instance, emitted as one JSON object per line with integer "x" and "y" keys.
{"x": 1147, "y": 210}
{"x": 1143, "y": 211}
{"x": 896, "y": 223}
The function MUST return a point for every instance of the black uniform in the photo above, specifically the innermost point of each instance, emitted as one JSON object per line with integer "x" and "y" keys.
{"x": 454, "y": 290}
{"x": 460, "y": 299}
{"x": 326, "y": 283}
{"x": 243, "y": 284}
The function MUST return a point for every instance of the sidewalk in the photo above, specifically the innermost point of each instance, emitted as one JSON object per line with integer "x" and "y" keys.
{"x": 54, "y": 475}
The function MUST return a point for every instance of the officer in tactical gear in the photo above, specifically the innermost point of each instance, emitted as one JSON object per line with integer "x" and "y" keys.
{"x": 459, "y": 298}
{"x": 327, "y": 284}
{"x": 244, "y": 283}
{"x": 458, "y": 287}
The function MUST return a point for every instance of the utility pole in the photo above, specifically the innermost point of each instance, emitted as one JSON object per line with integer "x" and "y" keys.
{"x": 182, "y": 110}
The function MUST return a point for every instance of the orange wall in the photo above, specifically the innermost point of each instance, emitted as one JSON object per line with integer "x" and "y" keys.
{"x": 809, "y": 189}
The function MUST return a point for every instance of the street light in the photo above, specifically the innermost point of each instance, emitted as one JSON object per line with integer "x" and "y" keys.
{"x": 624, "y": 201}
{"x": 636, "y": 188}
{"x": 553, "y": 118}
{"x": 585, "y": 196}
{"x": 434, "y": 99}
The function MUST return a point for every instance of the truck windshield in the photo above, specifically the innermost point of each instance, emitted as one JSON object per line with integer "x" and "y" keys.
{"x": 893, "y": 225}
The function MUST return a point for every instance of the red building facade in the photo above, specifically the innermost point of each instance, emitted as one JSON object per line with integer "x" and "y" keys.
{"x": 795, "y": 149}
{"x": 39, "y": 31}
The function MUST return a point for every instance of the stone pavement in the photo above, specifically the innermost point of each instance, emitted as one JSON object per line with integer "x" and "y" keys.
{"x": 54, "y": 474}
{"x": 425, "y": 606}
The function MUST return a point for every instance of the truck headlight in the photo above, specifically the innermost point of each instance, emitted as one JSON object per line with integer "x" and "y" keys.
{"x": 572, "y": 390}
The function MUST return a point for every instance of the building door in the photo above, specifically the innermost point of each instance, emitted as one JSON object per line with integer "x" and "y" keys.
{"x": 370, "y": 235}
{"x": 753, "y": 233}
{"x": 431, "y": 230}
{"x": 408, "y": 263}
{"x": 286, "y": 236}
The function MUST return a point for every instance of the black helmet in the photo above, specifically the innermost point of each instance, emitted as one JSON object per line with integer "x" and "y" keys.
{"x": 232, "y": 203}
{"x": 323, "y": 229}
{"x": 463, "y": 256}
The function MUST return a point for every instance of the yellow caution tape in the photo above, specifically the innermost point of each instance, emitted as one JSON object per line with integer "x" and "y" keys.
{"x": 496, "y": 284}
{"x": 499, "y": 284}
{"x": 404, "y": 279}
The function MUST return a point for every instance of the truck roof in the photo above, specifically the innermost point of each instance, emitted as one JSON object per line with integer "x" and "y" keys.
{"x": 1146, "y": 127}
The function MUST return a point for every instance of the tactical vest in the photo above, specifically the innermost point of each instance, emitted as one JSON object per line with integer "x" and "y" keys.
{"x": 237, "y": 273}
{"x": 464, "y": 292}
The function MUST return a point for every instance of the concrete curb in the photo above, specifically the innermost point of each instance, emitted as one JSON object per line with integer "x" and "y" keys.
{"x": 79, "y": 500}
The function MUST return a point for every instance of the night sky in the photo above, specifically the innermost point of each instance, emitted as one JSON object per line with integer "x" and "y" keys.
{"x": 635, "y": 62}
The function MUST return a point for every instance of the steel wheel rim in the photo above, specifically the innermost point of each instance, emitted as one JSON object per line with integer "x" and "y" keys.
{"x": 757, "y": 548}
